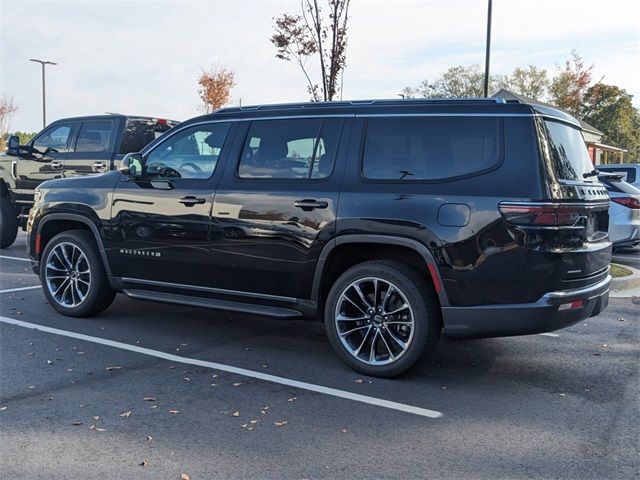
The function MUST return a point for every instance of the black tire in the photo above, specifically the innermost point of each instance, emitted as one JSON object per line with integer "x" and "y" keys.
{"x": 99, "y": 294}
{"x": 8, "y": 223}
{"x": 419, "y": 294}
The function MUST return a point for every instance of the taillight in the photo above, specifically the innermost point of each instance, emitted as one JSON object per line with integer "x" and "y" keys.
{"x": 540, "y": 215}
{"x": 630, "y": 202}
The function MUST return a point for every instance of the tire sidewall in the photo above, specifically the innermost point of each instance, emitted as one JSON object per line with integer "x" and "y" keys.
{"x": 80, "y": 240}
{"x": 419, "y": 308}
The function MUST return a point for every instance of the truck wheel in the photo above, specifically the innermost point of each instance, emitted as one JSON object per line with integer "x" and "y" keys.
{"x": 73, "y": 275}
{"x": 381, "y": 317}
{"x": 8, "y": 223}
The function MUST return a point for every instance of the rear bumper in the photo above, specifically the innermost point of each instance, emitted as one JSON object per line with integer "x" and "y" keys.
{"x": 526, "y": 318}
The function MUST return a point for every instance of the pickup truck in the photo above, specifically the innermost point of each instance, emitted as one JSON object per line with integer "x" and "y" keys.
{"x": 66, "y": 148}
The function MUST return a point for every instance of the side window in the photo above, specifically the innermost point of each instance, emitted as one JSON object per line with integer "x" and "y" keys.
{"x": 429, "y": 148}
{"x": 94, "y": 137}
{"x": 56, "y": 137}
{"x": 283, "y": 149}
{"x": 190, "y": 153}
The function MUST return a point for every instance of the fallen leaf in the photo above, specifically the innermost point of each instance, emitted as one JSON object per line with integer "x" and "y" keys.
{"x": 108, "y": 369}
{"x": 249, "y": 429}
{"x": 184, "y": 344}
{"x": 154, "y": 406}
{"x": 280, "y": 424}
{"x": 69, "y": 369}
{"x": 235, "y": 414}
{"x": 76, "y": 423}
{"x": 265, "y": 366}
{"x": 92, "y": 427}
{"x": 149, "y": 438}
{"x": 344, "y": 430}
{"x": 187, "y": 379}
{"x": 100, "y": 429}
{"x": 31, "y": 387}
{"x": 2, "y": 409}
{"x": 126, "y": 414}
{"x": 254, "y": 421}
{"x": 184, "y": 476}
{"x": 96, "y": 417}
{"x": 292, "y": 399}
{"x": 214, "y": 384}
{"x": 173, "y": 411}
{"x": 143, "y": 463}
{"x": 49, "y": 362}
{"x": 237, "y": 384}
{"x": 245, "y": 425}
{"x": 215, "y": 375}
{"x": 149, "y": 399}
{"x": 263, "y": 412}
{"x": 621, "y": 319}
{"x": 358, "y": 380}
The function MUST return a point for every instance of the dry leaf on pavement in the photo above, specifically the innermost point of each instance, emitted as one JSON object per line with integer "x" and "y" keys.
{"x": 237, "y": 384}
{"x": 184, "y": 476}
{"x": 280, "y": 424}
{"x": 358, "y": 380}
{"x": 235, "y": 414}
{"x": 173, "y": 411}
{"x": 126, "y": 414}
{"x": 150, "y": 399}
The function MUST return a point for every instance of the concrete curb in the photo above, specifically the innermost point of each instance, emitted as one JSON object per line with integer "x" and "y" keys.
{"x": 628, "y": 282}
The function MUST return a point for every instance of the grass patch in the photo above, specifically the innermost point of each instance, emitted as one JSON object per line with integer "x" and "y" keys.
{"x": 619, "y": 271}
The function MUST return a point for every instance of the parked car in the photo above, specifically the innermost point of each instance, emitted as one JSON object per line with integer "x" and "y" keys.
{"x": 624, "y": 212}
{"x": 391, "y": 221}
{"x": 630, "y": 172}
{"x": 68, "y": 147}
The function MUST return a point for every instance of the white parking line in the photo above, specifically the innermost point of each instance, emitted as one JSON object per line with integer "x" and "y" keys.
{"x": 20, "y": 289}
{"x": 549, "y": 334}
{"x": 15, "y": 258}
{"x": 231, "y": 369}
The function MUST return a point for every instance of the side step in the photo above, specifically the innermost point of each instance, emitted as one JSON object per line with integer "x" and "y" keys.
{"x": 261, "y": 310}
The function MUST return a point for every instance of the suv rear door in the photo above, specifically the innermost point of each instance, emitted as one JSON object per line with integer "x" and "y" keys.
{"x": 275, "y": 208}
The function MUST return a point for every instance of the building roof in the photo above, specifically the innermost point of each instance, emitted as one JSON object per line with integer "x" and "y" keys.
{"x": 509, "y": 95}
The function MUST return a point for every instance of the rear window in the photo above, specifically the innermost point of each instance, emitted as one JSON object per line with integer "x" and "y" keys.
{"x": 429, "y": 148}
{"x": 139, "y": 133}
{"x": 568, "y": 152}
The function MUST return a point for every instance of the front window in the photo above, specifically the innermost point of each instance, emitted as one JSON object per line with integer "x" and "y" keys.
{"x": 191, "y": 153}
{"x": 55, "y": 138}
{"x": 568, "y": 152}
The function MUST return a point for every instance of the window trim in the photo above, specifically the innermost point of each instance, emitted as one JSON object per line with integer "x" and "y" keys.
{"x": 501, "y": 156}
{"x": 171, "y": 133}
{"x": 71, "y": 139}
{"x": 306, "y": 180}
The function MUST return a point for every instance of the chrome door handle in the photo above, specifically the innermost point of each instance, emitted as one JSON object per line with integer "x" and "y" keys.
{"x": 309, "y": 204}
{"x": 56, "y": 164}
{"x": 191, "y": 201}
{"x": 99, "y": 165}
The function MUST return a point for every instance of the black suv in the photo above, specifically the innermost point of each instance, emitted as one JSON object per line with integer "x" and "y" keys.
{"x": 392, "y": 221}
{"x": 67, "y": 147}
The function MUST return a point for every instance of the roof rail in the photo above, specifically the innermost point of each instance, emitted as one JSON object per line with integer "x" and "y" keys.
{"x": 355, "y": 103}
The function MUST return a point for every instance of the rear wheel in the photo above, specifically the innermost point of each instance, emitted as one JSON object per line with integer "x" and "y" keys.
{"x": 8, "y": 223}
{"x": 73, "y": 275}
{"x": 381, "y": 317}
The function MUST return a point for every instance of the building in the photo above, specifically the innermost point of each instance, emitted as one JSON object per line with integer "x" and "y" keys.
{"x": 600, "y": 153}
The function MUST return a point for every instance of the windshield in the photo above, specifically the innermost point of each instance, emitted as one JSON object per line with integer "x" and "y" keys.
{"x": 568, "y": 152}
{"x": 139, "y": 133}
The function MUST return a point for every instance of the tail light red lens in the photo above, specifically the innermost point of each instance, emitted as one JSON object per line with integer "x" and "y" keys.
{"x": 540, "y": 215}
{"x": 630, "y": 202}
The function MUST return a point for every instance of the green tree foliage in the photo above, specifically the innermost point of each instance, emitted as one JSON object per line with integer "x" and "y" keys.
{"x": 610, "y": 110}
{"x": 532, "y": 82}
{"x": 568, "y": 88}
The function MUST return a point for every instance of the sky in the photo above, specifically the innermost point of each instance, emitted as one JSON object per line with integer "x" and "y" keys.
{"x": 144, "y": 57}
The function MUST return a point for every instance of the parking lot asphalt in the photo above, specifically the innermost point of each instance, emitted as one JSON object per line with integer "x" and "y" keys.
{"x": 540, "y": 406}
{"x": 628, "y": 256}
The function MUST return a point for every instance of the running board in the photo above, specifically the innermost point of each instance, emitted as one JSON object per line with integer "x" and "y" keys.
{"x": 250, "y": 308}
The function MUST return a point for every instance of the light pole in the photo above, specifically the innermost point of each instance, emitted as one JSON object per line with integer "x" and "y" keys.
{"x": 44, "y": 103}
{"x": 488, "y": 53}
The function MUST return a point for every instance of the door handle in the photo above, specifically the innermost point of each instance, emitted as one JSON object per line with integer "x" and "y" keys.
{"x": 309, "y": 204}
{"x": 191, "y": 201}
{"x": 56, "y": 164}
{"x": 99, "y": 165}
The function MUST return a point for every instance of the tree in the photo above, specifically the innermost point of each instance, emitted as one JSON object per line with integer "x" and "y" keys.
{"x": 457, "y": 82}
{"x": 300, "y": 37}
{"x": 7, "y": 112}
{"x": 532, "y": 82}
{"x": 610, "y": 110}
{"x": 568, "y": 88}
{"x": 215, "y": 88}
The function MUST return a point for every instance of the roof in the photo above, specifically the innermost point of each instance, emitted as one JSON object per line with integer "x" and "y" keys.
{"x": 109, "y": 115}
{"x": 509, "y": 95}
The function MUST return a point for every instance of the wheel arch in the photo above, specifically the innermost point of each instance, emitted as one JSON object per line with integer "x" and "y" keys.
{"x": 53, "y": 223}
{"x": 408, "y": 245}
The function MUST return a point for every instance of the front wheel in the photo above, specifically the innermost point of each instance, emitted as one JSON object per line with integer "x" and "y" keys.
{"x": 8, "y": 223}
{"x": 73, "y": 275}
{"x": 381, "y": 317}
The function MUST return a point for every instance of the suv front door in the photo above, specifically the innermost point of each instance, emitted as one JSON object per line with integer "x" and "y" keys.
{"x": 161, "y": 220}
{"x": 275, "y": 208}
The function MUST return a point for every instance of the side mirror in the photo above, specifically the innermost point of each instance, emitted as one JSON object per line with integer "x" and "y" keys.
{"x": 131, "y": 165}
{"x": 13, "y": 146}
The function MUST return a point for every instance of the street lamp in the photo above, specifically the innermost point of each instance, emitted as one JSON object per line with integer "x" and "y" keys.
{"x": 44, "y": 105}
{"x": 488, "y": 53}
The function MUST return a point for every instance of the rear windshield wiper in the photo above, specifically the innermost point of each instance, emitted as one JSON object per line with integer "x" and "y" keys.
{"x": 592, "y": 173}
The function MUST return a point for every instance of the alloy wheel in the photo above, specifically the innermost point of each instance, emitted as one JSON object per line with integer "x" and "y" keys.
{"x": 67, "y": 275}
